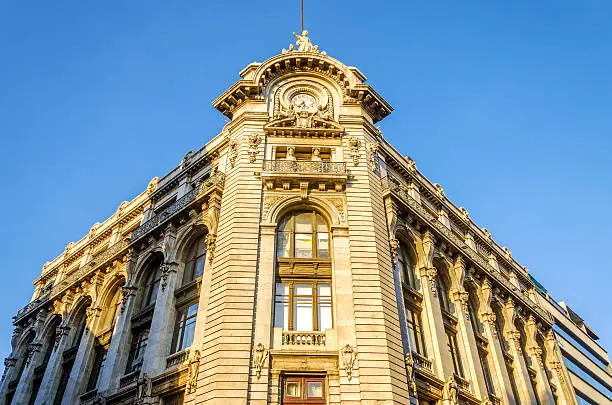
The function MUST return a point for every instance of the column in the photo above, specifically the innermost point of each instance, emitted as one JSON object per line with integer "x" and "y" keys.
{"x": 116, "y": 357}
{"x": 467, "y": 339}
{"x": 264, "y": 321}
{"x": 513, "y": 337}
{"x": 51, "y": 379}
{"x": 82, "y": 363}
{"x": 501, "y": 379}
{"x": 558, "y": 374}
{"x": 24, "y": 388}
{"x": 534, "y": 351}
{"x": 162, "y": 324}
{"x": 7, "y": 376}
{"x": 432, "y": 313}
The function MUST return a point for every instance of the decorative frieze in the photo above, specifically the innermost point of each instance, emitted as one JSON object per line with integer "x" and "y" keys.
{"x": 254, "y": 142}
{"x": 372, "y": 150}
{"x": 211, "y": 242}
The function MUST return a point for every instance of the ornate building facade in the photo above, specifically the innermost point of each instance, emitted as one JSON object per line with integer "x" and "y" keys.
{"x": 297, "y": 258}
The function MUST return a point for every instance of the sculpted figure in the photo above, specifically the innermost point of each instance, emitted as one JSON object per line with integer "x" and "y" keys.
{"x": 303, "y": 42}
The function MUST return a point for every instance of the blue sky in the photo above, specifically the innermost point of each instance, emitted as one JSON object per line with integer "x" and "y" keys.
{"x": 506, "y": 104}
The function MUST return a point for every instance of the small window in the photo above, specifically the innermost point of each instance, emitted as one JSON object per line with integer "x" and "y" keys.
{"x": 300, "y": 390}
{"x": 303, "y": 305}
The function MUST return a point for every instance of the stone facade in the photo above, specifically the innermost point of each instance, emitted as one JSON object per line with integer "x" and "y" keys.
{"x": 296, "y": 258}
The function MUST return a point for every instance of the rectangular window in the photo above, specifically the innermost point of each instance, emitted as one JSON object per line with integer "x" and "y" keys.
{"x": 302, "y": 305}
{"x": 451, "y": 341}
{"x": 301, "y": 390}
{"x": 302, "y": 308}
{"x": 185, "y": 327}
{"x": 415, "y": 331}
{"x": 137, "y": 350}
{"x": 324, "y": 309}
{"x": 281, "y": 306}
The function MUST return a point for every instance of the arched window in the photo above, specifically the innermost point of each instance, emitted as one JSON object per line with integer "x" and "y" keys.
{"x": 405, "y": 267}
{"x": 303, "y": 299}
{"x": 194, "y": 266}
{"x": 442, "y": 292}
{"x": 303, "y": 235}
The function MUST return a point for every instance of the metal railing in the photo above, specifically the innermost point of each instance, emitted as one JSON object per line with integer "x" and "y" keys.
{"x": 304, "y": 167}
{"x": 202, "y": 188}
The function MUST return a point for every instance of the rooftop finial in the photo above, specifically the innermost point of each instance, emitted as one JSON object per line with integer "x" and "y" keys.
{"x": 302, "y": 9}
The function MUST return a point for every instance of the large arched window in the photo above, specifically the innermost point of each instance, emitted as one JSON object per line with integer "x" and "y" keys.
{"x": 196, "y": 258}
{"x": 405, "y": 267}
{"x": 303, "y": 235}
{"x": 303, "y": 299}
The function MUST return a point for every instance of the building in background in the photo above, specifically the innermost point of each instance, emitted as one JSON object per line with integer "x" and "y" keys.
{"x": 296, "y": 258}
{"x": 587, "y": 362}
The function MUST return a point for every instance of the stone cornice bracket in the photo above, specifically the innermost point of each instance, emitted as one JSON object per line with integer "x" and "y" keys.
{"x": 395, "y": 246}
{"x": 431, "y": 273}
{"x": 232, "y": 151}
{"x": 489, "y": 318}
{"x": 451, "y": 391}
{"x": 8, "y": 363}
{"x": 260, "y": 355}
{"x": 32, "y": 349}
{"x": 372, "y": 149}
{"x": 254, "y": 142}
{"x": 348, "y": 355}
{"x": 462, "y": 298}
{"x": 60, "y": 332}
{"x": 211, "y": 243}
{"x": 126, "y": 292}
{"x": 91, "y": 313}
{"x": 166, "y": 269}
{"x": 354, "y": 145}
{"x": 193, "y": 372}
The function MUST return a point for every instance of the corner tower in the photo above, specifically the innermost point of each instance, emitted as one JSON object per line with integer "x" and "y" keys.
{"x": 301, "y": 291}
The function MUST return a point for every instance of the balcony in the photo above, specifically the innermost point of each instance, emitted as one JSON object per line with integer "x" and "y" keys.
{"x": 216, "y": 181}
{"x": 422, "y": 363}
{"x": 288, "y": 170}
{"x": 177, "y": 359}
{"x": 304, "y": 340}
{"x": 129, "y": 379}
{"x": 462, "y": 383}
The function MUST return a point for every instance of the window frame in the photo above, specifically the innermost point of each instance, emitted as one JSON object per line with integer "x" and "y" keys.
{"x": 180, "y": 325}
{"x": 291, "y": 321}
{"x": 303, "y": 398}
{"x": 291, "y": 216}
{"x": 192, "y": 260}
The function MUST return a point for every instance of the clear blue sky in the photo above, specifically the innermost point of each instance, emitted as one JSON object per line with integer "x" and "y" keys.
{"x": 506, "y": 104}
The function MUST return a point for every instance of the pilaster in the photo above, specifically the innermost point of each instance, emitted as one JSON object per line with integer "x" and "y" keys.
{"x": 50, "y": 381}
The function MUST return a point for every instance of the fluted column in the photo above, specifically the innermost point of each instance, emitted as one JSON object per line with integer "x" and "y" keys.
{"x": 469, "y": 347}
{"x": 521, "y": 373}
{"x": 51, "y": 378}
{"x": 117, "y": 354}
{"x": 501, "y": 379}
{"x": 534, "y": 351}
{"x": 82, "y": 363}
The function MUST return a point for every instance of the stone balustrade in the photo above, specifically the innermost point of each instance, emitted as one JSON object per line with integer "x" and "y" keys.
{"x": 462, "y": 383}
{"x": 304, "y": 167}
{"x": 177, "y": 359}
{"x": 291, "y": 338}
{"x": 422, "y": 363}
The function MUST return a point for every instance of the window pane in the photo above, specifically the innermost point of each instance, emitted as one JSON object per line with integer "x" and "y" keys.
{"x": 199, "y": 267}
{"x": 321, "y": 224}
{"x": 281, "y": 306}
{"x": 302, "y": 289}
{"x": 201, "y": 250}
{"x": 325, "y": 313}
{"x": 324, "y": 290}
{"x": 303, "y": 245}
{"x": 188, "y": 335}
{"x": 303, "y": 314}
{"x": 284, "y": 225}
{"x": 292, "y": 389}
{"x": 188, "y": 276}
{"x": 282, "y": 244}
{"x": 303, "y": 223}
{"x": 315, "y": 389}
{"x": 323, "y": 245}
